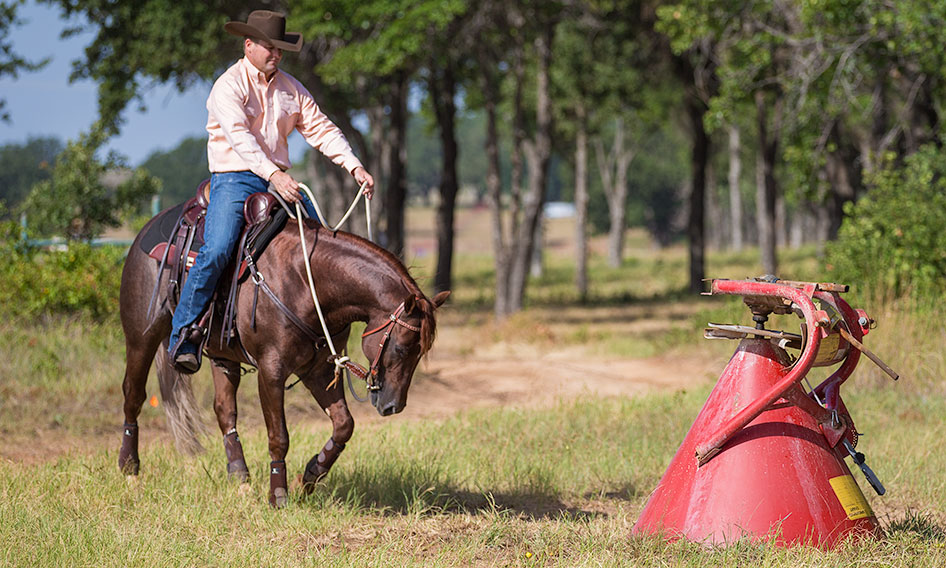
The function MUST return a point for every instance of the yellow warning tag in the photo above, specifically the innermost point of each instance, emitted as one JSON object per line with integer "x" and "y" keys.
{"x": 851, "y": 498}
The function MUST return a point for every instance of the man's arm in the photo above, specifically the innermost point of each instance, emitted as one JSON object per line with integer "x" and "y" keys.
{"x": 323, "y": 135}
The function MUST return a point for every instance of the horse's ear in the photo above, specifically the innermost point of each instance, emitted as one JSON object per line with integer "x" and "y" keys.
{"x": 440, "y": 298}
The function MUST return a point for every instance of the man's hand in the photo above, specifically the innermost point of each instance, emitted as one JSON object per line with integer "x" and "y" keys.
{"x": 285, "y": 186}
{"x": 362, "y": 176}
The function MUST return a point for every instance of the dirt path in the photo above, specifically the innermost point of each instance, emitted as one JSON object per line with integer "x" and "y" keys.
{"x": 468, "y": 370}
{"x": 453, "y": 384}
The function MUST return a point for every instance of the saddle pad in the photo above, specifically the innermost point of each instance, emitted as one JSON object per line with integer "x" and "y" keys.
{"x": 155, "y": 239}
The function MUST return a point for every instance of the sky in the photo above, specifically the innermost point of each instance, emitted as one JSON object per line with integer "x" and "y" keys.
{"x": 44, "y": 103}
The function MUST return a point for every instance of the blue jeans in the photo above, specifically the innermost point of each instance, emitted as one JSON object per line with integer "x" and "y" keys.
{"x": 228, "y": 192}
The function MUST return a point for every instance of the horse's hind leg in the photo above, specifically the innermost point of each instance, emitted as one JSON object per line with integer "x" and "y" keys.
{"x": 138, "y": 357}
{"x": 226, "y": 382}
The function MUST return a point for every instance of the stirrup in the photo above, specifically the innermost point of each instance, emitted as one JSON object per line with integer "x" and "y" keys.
{"x": 187, "y": 363}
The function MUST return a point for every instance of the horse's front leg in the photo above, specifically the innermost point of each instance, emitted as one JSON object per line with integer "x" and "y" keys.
{"x": 226, "y": 376}
{"x": 272, "y": 400}
{"x": 333, "y": 403}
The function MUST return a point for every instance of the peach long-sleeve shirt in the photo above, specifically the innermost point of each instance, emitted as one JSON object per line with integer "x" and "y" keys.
{"x": 249, "y": 120}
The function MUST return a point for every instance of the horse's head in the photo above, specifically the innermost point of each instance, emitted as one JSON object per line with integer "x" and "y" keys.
{"x": 394, "y": 343}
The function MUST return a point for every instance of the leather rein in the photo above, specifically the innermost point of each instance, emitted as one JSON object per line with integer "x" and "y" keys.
{"x": 341, "y": 361}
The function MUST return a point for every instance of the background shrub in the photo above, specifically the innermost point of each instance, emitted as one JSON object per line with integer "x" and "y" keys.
{"x": 80, "y": 280}
{"x": 893, "y": 240}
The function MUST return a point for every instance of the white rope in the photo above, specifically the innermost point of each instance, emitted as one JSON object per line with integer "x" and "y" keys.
{"x": 315, "y": 299}
{"x": 339, "y": 360}
{"x": 318, "y": 210}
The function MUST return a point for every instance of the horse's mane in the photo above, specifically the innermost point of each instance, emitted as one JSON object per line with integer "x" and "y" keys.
{"x": 428, "y": 328}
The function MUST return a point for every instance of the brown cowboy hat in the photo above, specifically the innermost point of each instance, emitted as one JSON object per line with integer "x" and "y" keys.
{"x": 271, "y": 26}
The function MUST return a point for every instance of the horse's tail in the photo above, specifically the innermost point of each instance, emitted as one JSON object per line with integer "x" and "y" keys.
{"x": 180, "y": 407}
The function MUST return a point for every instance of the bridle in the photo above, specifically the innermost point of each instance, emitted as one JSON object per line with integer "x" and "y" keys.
{"x": 341, "y": 361}
{"x": 370, "y": 375}
{"x": 394, "y": 319}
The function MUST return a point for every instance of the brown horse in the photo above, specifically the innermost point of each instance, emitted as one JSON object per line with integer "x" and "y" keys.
{"x": 356, "y": 281}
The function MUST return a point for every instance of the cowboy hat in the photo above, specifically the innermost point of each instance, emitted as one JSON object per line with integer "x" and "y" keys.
{"x": 270, "y": 26}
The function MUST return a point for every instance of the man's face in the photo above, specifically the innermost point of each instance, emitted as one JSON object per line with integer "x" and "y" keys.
{"x": 263, "y": 55}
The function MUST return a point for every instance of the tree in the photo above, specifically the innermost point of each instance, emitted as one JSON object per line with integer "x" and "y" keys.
{"x": 613, "y": 167}
{"x": 377, "y": 46}
{"x": 534, "y": 27}
{"x": 180, "y": 169}
{"x": 872, "y": 84}
{"x": 77, "y": 202}
{"x": 892, "y": 240}
{"x": 142, "y": 42}
{"x": 24, "y": 165}
{"x": 749, "y": 46}
{"x": 11, "y": 63}
{"x": 690, "y": 52}
{"x": 595, "y": 85}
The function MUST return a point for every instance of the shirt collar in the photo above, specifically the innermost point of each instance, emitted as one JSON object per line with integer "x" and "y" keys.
{"x": 255, "y": 72}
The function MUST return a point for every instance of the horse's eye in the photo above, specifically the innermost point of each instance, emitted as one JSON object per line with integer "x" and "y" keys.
{"x": 400, "y": 350}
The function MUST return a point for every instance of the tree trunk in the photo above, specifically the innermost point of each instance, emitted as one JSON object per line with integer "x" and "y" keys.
{"x": 494, "y": 190}
{"x": 735, "y": 195}
{"x": 328, "y": 186}
{"x": 842, "y": 178}
{"x": 612, "y": 168}
{"x": 443, "y": 93}
{"x": 713, "y": 211}
{"x": 536, "y": 264}
{"x": 538, "y": 152}
{"x": 696, "y": 223}
{"x": 380, "y": 162}
{"x": 396, "y": 195}
{"x": 315, "y": 171}
{"x": 767, "y": 188}
{"x": 581, "y": 204}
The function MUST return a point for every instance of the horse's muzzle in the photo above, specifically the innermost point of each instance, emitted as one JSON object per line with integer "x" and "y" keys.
{"x": 385, "y": 407}
{"x": 389, "y": 409}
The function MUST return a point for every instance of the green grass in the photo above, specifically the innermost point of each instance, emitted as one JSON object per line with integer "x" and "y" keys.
{"x": 559, "y": 486}
{"x": 489, "y": 487}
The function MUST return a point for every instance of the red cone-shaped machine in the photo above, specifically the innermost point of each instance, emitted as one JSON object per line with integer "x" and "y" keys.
{"x": 764, "y": 459}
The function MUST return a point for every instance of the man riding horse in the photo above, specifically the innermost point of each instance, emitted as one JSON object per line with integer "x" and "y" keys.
{"x": 251, "y": 110}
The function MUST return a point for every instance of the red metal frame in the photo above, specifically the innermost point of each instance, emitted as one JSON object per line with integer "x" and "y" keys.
{"x": 815, "y": 319}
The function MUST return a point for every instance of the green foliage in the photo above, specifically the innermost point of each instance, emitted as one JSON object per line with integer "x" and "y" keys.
{"x": 153, "y": 40}
{"x": 893, "y": 240}
{"x": 179, "y": 169}
{"x": 80, "y": 280}
{"x": 11, "y": 63}
{"x": 24, "y": 165}
{"x": 379, "y": 37}
{"x": 77, "y": 202}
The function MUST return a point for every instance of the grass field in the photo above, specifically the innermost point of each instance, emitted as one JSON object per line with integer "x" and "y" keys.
{"x": 553, "y": 486}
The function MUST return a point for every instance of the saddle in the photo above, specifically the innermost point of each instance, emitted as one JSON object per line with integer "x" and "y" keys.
{"x": 178, "y": 233}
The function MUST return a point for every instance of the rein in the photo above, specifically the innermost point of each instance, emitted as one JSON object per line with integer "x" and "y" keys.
{"x": 318, "y": 210}
{"x": 370, "y": 376}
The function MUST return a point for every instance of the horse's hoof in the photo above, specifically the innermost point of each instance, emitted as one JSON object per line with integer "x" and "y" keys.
{"x": 128, "y": 462}
{"x": 237, "y": 471}
{"x": 129, "y": 467}
{"x": 311, "y": 478}
{"x": 278, "y": 498}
